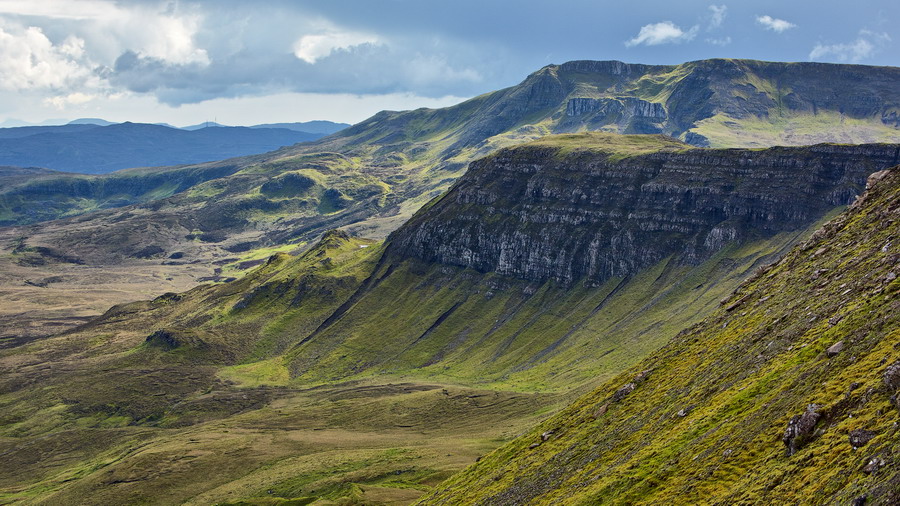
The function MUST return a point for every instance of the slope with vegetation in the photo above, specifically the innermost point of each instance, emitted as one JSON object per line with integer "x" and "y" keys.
{"x": 788, "y": 393}
{"x": 370, "y": 370}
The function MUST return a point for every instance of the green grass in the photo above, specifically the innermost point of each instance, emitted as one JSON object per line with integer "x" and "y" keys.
{"x": 792, "y": 129}
{"x": 738, "y": 376}
{"x": 621, "y": 145}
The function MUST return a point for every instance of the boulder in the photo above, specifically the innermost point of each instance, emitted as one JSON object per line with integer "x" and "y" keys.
{"x": 800, "y": 429}
{"x": 860, "y": 437}
{"x": 835, "y": 349}
{"x": 892, "y": 377}
{"x": 622, "y": 392}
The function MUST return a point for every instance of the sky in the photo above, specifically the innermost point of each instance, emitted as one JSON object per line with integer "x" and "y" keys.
{"x": 244, "y": 63}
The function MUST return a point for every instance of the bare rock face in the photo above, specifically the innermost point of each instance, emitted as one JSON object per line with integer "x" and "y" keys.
{"x": 537, "y": 214}
{"x": 801, "y": 429}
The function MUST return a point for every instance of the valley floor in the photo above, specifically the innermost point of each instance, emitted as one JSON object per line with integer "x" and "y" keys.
{"x": 382, "y": 443}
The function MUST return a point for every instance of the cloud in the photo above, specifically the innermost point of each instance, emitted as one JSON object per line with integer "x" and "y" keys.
{"x": 717, "y": 16}
{"x": 62, "y": 102}
{"x": 30, "y": 60}
{"x": 664, "y": 32}
{"x": 311, "y": 48}
{"x": 189, "y": 52}
{"x": 865, "y": 46}
{"x": 724, "y": 41}
{"x": 64, "y": 9}
{"x": 774, "y": 24}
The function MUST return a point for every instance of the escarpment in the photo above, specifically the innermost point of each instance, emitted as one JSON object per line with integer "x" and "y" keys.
{"x": 543, "y": 211}
{"x": 786, "y": 394}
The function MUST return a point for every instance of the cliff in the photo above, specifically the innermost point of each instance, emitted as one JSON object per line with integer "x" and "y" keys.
{"x": 606, "y": 209}
{"x": 787, "y": 394}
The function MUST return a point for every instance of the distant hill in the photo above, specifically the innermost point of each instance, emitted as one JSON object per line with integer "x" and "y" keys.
{"x": 94, "y": 149}
{"x": 27, "y": 131}
{"x": 313, "y": 127}
{"x": 205, "y": 124}
{"x": 316, "y": 127}
{"x": 91, "y": 121}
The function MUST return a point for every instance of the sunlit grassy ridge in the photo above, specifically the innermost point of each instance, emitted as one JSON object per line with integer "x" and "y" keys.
{"x": 702, "y": 420}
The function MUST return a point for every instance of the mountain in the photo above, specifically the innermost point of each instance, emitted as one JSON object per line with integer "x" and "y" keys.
{"x": 381, "y": 170}
{"x": 149, "y": 231}
{"x": 315, "y": 127}
{"x": 28, "y": 131}
{"x": 91, "y": 121}
{"x": 205, "y": 124}
{"x": 99, "y": 149}
{"x": 367, "y": 371}
{"x": 788, "y": 393}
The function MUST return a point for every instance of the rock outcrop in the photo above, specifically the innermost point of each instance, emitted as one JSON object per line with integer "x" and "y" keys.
{"x": 773, "y": 420}
{"x": 537, "y": 212}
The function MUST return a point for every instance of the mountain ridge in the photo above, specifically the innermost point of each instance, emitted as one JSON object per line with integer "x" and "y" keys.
{"x": 96, "y": 149}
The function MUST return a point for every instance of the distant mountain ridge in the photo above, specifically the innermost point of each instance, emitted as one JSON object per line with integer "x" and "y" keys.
{"x": 90, "y": 148}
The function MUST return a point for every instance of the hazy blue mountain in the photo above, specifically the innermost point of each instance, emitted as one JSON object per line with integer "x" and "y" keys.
{"x": 316, "y": 127}
{"x": 93, "y": 149}
{"x": 91, "y": 121}
{"x": 205, "y": 124}
{"x": 27, "y": 131}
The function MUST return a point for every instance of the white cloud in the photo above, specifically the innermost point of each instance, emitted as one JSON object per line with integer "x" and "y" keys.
{"x": 168, "y": 35}
{"x": 311, "y": 48}
{"x": 717, "y": 16}
{"x": 29, "y": 60}
{"x": 774, "y": 24}
{"x": 664, "y": 32}
{"x": 62, "y": 102}
{"x": 865, "y": 46}
{"x": 724, "y": 41}
{"x": 162, "y": 30}
{"x": 63, "y": 9}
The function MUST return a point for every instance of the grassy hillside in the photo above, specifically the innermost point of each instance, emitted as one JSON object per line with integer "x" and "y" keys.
{"x": 358, "y": 372}
{"x": 784, "y": 394}
{"x": 230, "y": 391}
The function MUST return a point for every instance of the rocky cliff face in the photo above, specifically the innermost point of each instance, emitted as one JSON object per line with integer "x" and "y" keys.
{"x": 538, "y": 213}
{"x": 788, "y": 393}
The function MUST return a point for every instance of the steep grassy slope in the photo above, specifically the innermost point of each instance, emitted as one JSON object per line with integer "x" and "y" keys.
{"x": 786, "y": 394}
